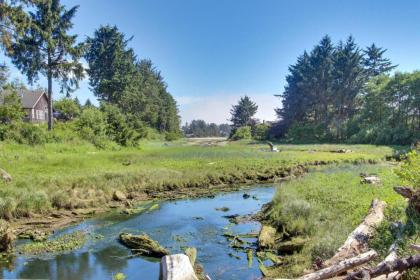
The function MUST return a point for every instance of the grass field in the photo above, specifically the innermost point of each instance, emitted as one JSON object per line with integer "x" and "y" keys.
{"x": 325, "y": 206}
{"x": 80, "y": 176}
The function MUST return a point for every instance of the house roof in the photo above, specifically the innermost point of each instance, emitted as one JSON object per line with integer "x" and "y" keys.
{"x": 29, "y": 97}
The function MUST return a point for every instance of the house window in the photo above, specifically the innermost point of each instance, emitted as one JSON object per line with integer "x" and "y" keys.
{"x": 39, "y": 114}
{"x": 33, "y": 113}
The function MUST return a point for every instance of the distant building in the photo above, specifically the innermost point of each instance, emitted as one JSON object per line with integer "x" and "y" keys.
{"x": 34, "y": 103}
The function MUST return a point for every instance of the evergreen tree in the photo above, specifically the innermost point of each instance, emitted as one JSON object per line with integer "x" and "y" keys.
{"x": 88, "y": 104}
{"x": 112, "y": 65}
{"x": 375, "y": 63}
{"x": 46, "y": 48}
{"x": 243, "y": 112}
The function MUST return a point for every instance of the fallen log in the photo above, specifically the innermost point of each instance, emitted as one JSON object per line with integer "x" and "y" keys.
{"x": 143, "y": 245}
{"x": 392, "y": 256}
{"x": 176, "y": 267}
{"x": 357, "y": 240}
{"x": 5, "y": 176}
{"x": 406, "y": 192}
{"x": 340, "y": 267}
{"x": 386, "y": 268}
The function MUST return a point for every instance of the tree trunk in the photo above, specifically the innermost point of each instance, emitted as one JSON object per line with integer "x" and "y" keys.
{"x": 50, "y": 97}
{"x": 340, "y": 267}
{"x": 387, "y": 268}
{"x": 176, "y": 267}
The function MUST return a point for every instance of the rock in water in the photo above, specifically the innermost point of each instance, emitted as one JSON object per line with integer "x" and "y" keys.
{"x": 119, "y": 196}
{"x": 143, "y": 245}
{"x": 267, "y": 237}
{"x": 176, "y": 267}
{"x": 6, "y": 237}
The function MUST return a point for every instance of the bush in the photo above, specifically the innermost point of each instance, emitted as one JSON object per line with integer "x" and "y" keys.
{"x": 24, "y": 133}
{"x": 68, "y": 109}
{"x": 261, "y": 131}
{"x": 117, "y": 128}
{"x": 171, "y": 136}
{"x": 410, "y": 170}
{"x": 243, "y": 132}
{"x": 11, "y": 107}
{"x": 91, "y": 126}
{"x": 308, "y": 133}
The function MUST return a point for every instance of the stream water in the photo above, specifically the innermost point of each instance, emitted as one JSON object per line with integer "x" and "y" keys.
{"x": 175, "y": 225}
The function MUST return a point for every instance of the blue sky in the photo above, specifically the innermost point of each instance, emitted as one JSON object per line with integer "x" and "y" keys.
{"x": 212, "y": 52}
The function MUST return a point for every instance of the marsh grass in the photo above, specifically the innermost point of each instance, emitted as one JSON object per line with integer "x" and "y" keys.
{"x": 325, "y": 206}
{"x": 78, "y": 175}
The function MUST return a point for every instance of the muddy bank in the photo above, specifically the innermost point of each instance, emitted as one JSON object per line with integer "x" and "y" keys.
{"x": 126, "y": 200}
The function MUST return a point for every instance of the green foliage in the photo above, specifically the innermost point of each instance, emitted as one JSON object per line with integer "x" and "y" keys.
{"x": 243, "y": 112}
{"x": 45, "y": 47}
{"x": 69, "y": 109}
{"x": 172, "y": 136}
{"x": 243, "y": 132}
{"x": 10, "y": 107}
{"x": 23, "y": 133}
{"x": 261, "y": 131}
{"x": 343, "y": 94}
{"x": 117, "y": 128}
{"x": 199, "y": 128}
{"x": 116, "y": 76}
{"x": 410, "y": 169}
{"x": 91, "y": 126}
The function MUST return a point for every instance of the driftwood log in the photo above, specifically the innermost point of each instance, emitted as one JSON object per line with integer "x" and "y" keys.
{"x": 340, "y": 267}
{"x": 176, "y": 267}
{"x": 392, "y": 256}
{"x": 357, "y": 240}
{"x": 5, "y": 176}
{"x": 386, "y": 268}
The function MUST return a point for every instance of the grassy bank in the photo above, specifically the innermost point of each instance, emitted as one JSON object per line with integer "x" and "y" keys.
{"x": 54, "y": 176}
{"x": 324, "y": 207}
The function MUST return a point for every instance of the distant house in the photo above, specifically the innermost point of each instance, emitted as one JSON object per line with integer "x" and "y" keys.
{"x": 35, "y": 105}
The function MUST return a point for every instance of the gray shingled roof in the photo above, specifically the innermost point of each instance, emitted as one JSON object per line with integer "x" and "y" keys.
{"x": 29, "y": 97}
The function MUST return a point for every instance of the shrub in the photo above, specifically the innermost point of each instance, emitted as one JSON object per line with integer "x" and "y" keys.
{"x": 410, "y": 170}
{"x": 24, "y": 133}
{"x": 11, "y": 107}
{"x": 308, "y": 133}
{"x": 261, "y": 131}
{"x": 171, "y": 136}
{"x": 91, "y": 126}
{"x": 117, "y": 128}
{"x": 243, "y": 132}
{"x": 68, "y": 109}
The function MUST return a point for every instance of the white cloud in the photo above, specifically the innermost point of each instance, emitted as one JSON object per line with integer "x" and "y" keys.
{"x": 216, "y": 108}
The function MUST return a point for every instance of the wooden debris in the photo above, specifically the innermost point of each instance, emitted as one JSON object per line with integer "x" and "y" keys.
{"x": 5, "y": 176}
{"x": 340, "y": 267}
{"x": 357, "y": 240}
{"x": 143, "y": 245}
{"x": 176, "y": 267}
{"x": 273, "y": 148}
{"x": 385, "y": 268}
{"x": 412, "y": 195}
{"x": 371, "y": 179}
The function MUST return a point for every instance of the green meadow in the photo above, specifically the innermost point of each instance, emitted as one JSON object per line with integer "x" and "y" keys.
{"x": 78, "y": 175}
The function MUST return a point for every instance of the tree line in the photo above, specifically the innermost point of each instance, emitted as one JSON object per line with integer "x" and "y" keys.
{"x": 342, "y": 93}
{"x": 199, "y": 128}
{"x": 35, "y": 35}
